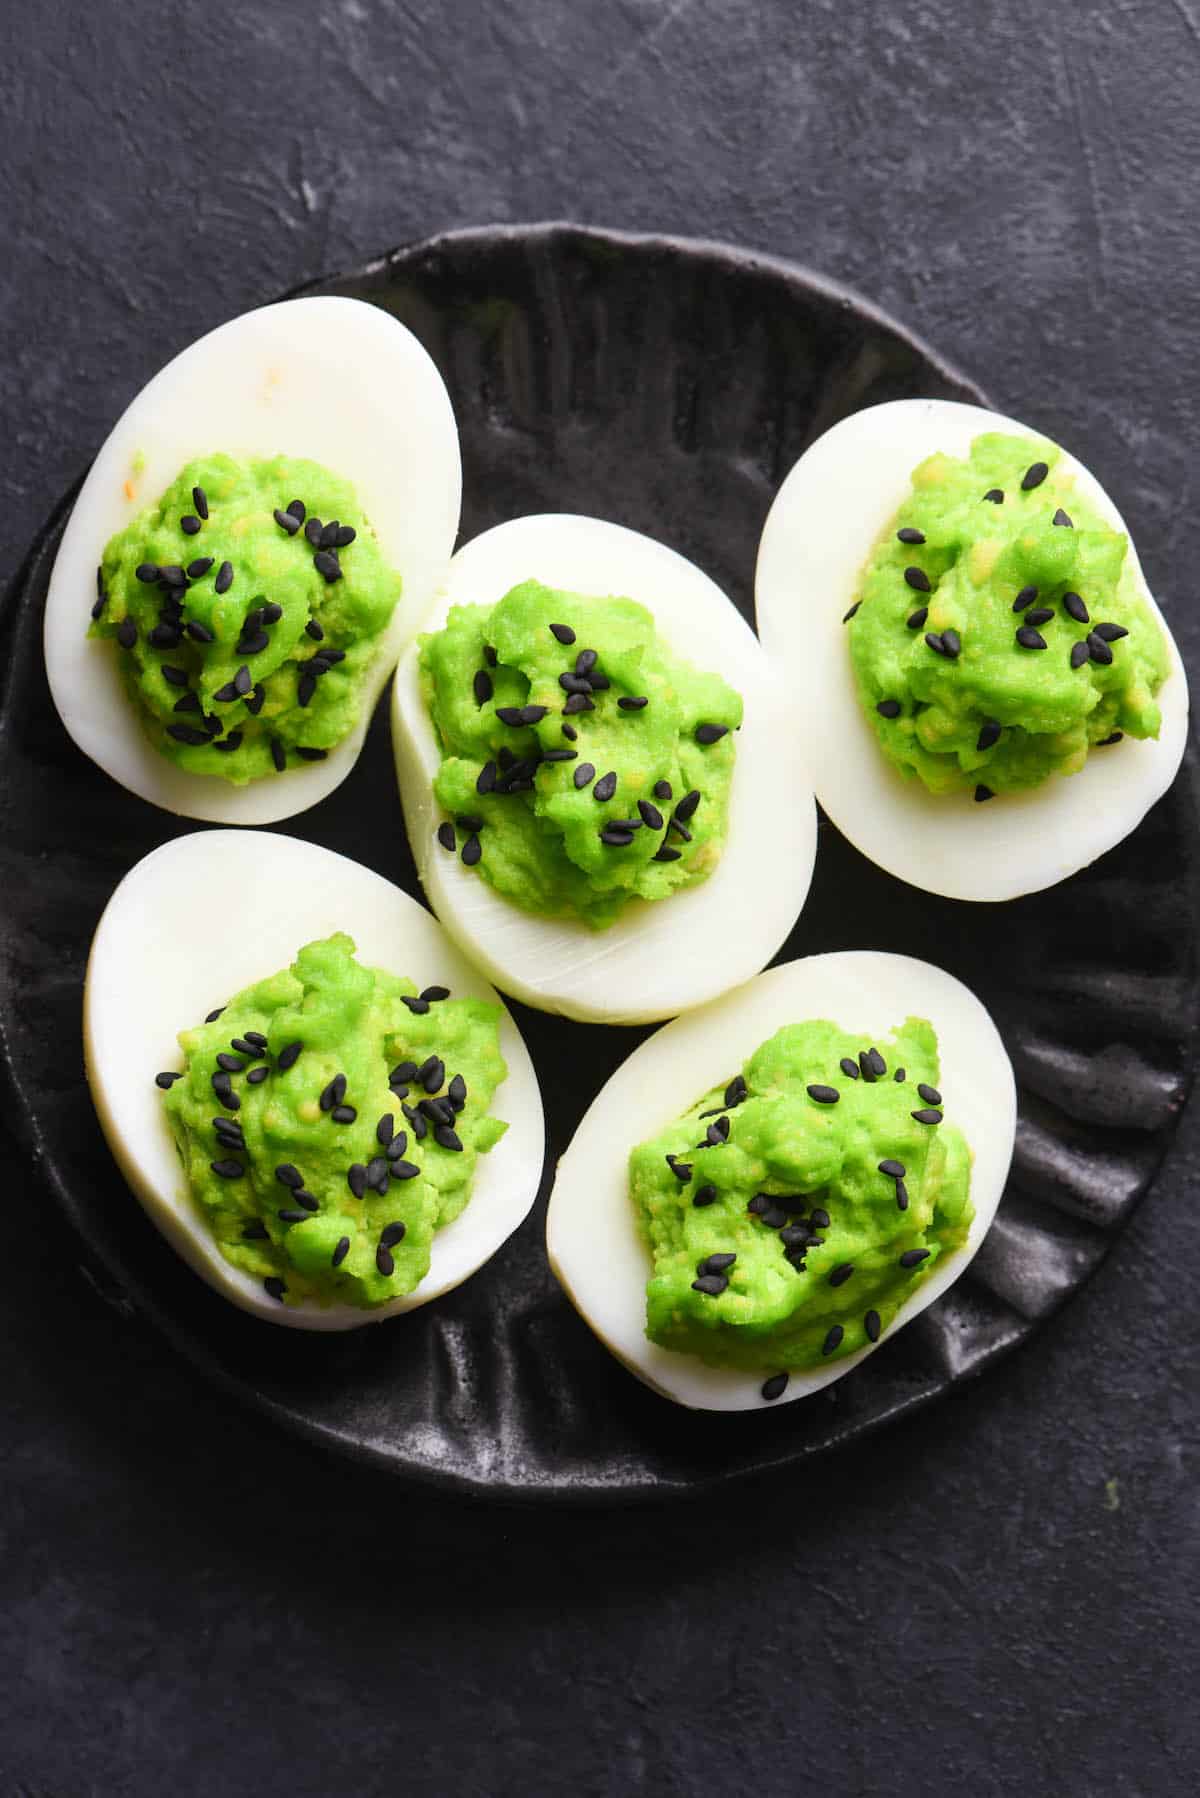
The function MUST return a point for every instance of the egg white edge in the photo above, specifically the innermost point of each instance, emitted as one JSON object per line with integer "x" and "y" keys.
{"x": 636, "y": 971}
{"x": 290, "y": 894}
{"x": 592, "y": 1240}
{"x": 306, "y": 365}
{"x": 822, "y": 527}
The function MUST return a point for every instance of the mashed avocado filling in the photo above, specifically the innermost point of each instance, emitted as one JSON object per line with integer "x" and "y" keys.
{"x": 584, "y": 764}
{"x": 329, "y": 1120}
{"x": 246, "y": 607}
{"x": 791, "y": 1213}
{"x": 999, "y": 633}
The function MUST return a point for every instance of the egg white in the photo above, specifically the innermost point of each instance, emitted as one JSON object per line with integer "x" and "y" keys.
{"x": 162, "y": 958}
{"x": 658, "y": 958}
{"x": 334, "y": 380}
{"x": 819, "y": 534}
{"x": 591, "y": 1230}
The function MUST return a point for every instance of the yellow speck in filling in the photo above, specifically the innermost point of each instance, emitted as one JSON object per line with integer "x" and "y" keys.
{"x": 982, "y": 558}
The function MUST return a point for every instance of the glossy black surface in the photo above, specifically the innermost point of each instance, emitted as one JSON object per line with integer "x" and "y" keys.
{"x": 668, "y": 386}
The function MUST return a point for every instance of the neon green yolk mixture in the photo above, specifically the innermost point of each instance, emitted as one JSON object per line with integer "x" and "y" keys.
{"x": 584, "y": 764}
{"x": 1000, "y": 632}
{"x": 329, "y": 1122}
{"x": 791, "y": 1212}
{"x": 246, "y": 608}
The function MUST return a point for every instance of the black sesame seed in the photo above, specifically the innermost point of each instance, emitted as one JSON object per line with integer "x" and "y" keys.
{"x": 472, "y": 850}
{"x": 605, "y": 787}
{"x": 224, "y": 580}
{"x": 630, "y": 702}
{"x": 448, "y": 1137}
{"x": 230, "y": 1064}
{"x": 165, "y": 636}
{"x": 288, "y": 1056}
{"x": 398, "y": 1147}
{"x": 287, "y": 521}
{"x": 902, "y": 1195}
{"x": 255, "y": 1231}
{"x": 200, "y": 501}
{"x": 824, "y": 1095}
{"x": 665, "y": 854}
{"x": 481, "y": 686}
{"x": 1110, "y": 633}
{"x": 989, "y": 733}
{"x": 391, "y": 1234}
{"x": 712, "y": 1285}
{"x": 200, "y": 567}
{"x": 340, "y": 1252}
{"x": 1028, "y": 638}
{"x": 173, "y": 575}
{"x": 489, "y": 655}
{"x": 1024, "y": 598}
{"x": 577, "y": 702}
{"x": 186, "y": 733}
{"x": 166, "y": 1080}
{"x": 585, "y": 661}
{"x": 510, "y": 714}
{"x": 914, "y": 1257}
{"x": 899, "y": 1075}
{"x": 682, "y": 1170}
{"x": 226, "y": 695}
{"x": 278, "y": 755}
{"x": 343, "y": 1114}
{"x": 407, "y": 1170}
{"x": 951, "y": 644}
{"x": 457, "y": 1090}
{"x": 230, "y": 743}
{"x": 871, "y": 1326}
{"x": 214, "y": 1015}
{"x": 762, "y": 1201}
{"x": 1074, "y": 607}
{"x": 917, "y": 579}
{"x": 662, "y": 790}
{"x": 306, "y": 686}
{"x": 704, "y": 1195}
{"x": 418, "y": 1006}
{"x": 871, "y": 1059}
{"x": 1079, "y": 654}
{"x": 431, "y": 1073}
{"x": 1033, "y": 477}
{"x": 377, "y": 1171}
{"x": 927, "y": 1115}
{"x": 716, "y": 1264}
{"x": 356, "y": 1179}
{"x": 888, "y": 708}
{"x": 445, "y": 836}
{"x": 935, "y": 642}
{"x": 930, "y": 1094}
{"x": 254, "y": 646}
{"x": 687, "y": 805}
{"x": 895, "y": 1170}
{"x": 533, "y": 714}
{"x": 199, "y": 633}
{"x": 274, "y": 1287}
{"x": 312, "y": 531}
{"x": 242, "y": 682}
{"x": 1039, "y": 615}
{"x": 833, "y": 1340}
{"x": 847, "y": 616}
{"x": 570, "y": 733}
{"x": 384, "y": 1261}
{"x": 1098, "y": 649}
{"x": 794, "y": 1236}
{"x": 435, "y": 993}
{"x": 563, "y": 632}
{"x": 996, "y": 495}
{"x": 614, "y": 838}
{"x": 334, "y": 1093}
{"x": 1063, "y": 518}
{"x": 983, "y": 793}
{"x": 916, "y": 619}
{"x": 1115, "y": 737}
{"x": 909, "y": 534}
{"x": 819, "y": 1218}
{"x": 147, "y": 572}
{"x": 848, "y": 1067}
{"x": 127, "y": 633}
{"x": 775, "y": 1387}
{"x": 841, "y": 1273}
{"x": 189, "y": 524}
{"x": 287, "y": 1175}
{"x": 307, "y": 1200}
{"x": 711, "y": 733}
{"x": 255, "y": 700}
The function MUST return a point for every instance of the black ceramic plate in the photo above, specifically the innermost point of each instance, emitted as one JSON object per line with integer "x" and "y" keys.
{"x": 670, "y": 386}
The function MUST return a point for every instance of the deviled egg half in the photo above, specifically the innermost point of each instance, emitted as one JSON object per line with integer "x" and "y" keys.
{"x": 608, "y": 810}
{"x": 327, "y": 1112}
{"x": 770, "y": 1187}
{"x": 986, "y": 693}
{"x": 259, "y": 536}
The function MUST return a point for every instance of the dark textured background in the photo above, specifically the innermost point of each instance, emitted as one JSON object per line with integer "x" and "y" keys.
{"x": 1001, "y": 1595}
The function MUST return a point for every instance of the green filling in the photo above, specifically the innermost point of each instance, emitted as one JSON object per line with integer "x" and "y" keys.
{"x": 350, "y": 1021}
{"x": 539, "y": 834}
{"x": 828, "y": 1207}
{"x": 978, "y": 556}
{"x": 298, "y": 701}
